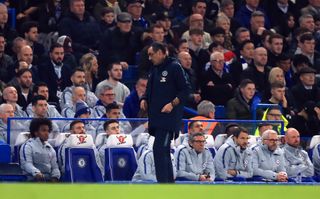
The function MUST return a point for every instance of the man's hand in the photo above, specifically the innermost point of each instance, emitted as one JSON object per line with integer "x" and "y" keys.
{"x": 282, "y": 177}
{"x": 167, "y": 108}
{"x": 143, "y": 105}
{"x": 39, "y": 177}
{"x": 202, "y": 178}
{"x": 232, "y": 172}
{"x": 284, "y": 102}
{"x": 124, "y": 65}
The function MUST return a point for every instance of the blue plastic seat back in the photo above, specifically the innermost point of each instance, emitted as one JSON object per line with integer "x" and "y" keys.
{"x": 212, "y": 151}
{"x": 5, "y": 153}
{"x": 120, "y": 164}
{"x": 81, "y": 166}
{"x": 220, "y": 112}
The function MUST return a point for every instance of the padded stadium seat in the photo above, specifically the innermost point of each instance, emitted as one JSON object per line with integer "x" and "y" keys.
{"x": 100, "y": 140}
{"x": 210, "y": 145}
{"x": 314, "y": 141}
{"x": 21, "y": 139}
{"x": 80, "y": 161}
{"x": 252, "y": 140}
{"x": 220, "y": 139}
{"x": 61, "y": 137}
{"x": 142, "y": 139}
{"x": 180, "y": 139}
{"x": 5, "y": 153}
{"x": 220, "y": 112}
{"x": 120, "y": 158}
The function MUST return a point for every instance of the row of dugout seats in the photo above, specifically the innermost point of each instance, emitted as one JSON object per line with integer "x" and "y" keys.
{"x": 120, "y": 156}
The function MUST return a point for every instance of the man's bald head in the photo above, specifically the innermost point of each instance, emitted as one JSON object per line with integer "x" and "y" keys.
{"x": 292, "y": 137}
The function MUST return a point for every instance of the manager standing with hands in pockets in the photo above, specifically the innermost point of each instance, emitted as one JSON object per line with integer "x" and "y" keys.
{"x": 166, "y": 93}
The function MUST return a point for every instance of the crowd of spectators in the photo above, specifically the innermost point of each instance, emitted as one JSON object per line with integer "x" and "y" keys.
{"x": 65, "y": 58}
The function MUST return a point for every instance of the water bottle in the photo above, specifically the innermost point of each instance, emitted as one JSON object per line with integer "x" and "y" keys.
{"x": 299, "y": 178}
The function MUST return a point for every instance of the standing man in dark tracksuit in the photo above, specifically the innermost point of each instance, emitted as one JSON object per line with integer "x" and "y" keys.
{"x": 167, "y": 91}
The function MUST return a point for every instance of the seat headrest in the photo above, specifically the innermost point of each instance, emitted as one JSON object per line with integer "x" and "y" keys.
{"x": 100, "y": 139}
{"x": 61, "y": 137}
{"x": 314, "y": 141}
{"x": 79, "y": 141}
{"x": 209, "y": 141}
{"x": 252, "y": 140}
{"x": 220, "y": 139}
{"x": 22, "y": 138}
{"x": 142, "y": 139}
{"x": 151, "y": 141}
{"x": 119, "y": 140}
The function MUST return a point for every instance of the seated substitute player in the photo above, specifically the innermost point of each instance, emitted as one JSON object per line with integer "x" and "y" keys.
{"x": 146, "y": 170}
{"x": 234, "y": 159}
{"x": 194, "y": 162}
{"x": 268, "y": 159}
{"x": 76, "y": 127}
{"x": 298, "y": 162}
{"x": 37, "y": 157}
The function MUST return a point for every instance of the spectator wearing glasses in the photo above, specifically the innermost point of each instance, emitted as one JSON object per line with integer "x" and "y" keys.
{"x": 217, "y": 85}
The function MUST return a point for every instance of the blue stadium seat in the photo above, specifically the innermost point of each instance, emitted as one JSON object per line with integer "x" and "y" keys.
{"x": 80, "y": 161}
{"x": 120, "y": 158}
{"x": 21, "y": 139}
{"x": 220, "y": 112}
{"x": 5, "y": 153}
{"x": 11, "y": 172}
{"x": 130, "y": 76}
{"x": 210, "y": 145}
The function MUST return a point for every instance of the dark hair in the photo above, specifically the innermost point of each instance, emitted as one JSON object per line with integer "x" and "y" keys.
{"x": 110, "y": 66}
{"x": 273, "y": 108}
{"x": 78, "y": 69}
{"x": 245, "y": 82}
{"x": 36, "y": 123}
{"x": 213, "y": 45}
{"x": 241, "y": 30}
{"x": 277, "y": 84}
{"x": 244, "y": 43}
{"x": 111, "y": 106}
{"x": 191, "y": 123}
{"x": 38, "y": 85}
{"x": 156, "y": 46}
{"x": 194, "y": 3}
{"x": 217, "y": 31}
{"x": 196, "y": 32}
{"x": 236, "y": 131}
{"x": 107, "y": 123}
{"x": 306, "y": 37}
{"x": 55, "y": 45}
{"x": 74, "y": 122}
{"x": 37, "y": 98}
{"x": 28, "y": 25}
{"x": 275, "y": 36}
{"x": 106, "y": 10}
{"x": 22, "y": 71}
{"x": 181, "y": 41}
{"x": 151, "y": 29}
{"x": 192, "y": 136}
{"x": 300, "y": 59}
